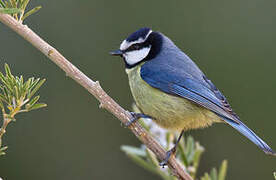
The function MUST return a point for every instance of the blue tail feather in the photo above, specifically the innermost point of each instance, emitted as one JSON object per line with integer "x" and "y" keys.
{"x": 243, "y": 129}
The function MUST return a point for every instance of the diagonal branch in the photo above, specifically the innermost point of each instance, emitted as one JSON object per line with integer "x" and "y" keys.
{"x": 95, "y": 89}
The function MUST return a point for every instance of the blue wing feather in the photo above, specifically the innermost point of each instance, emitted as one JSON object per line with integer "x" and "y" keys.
{"x": 203, "y": 93}
{"x": 247, "y": 132}
{"x": 185, "y": 87}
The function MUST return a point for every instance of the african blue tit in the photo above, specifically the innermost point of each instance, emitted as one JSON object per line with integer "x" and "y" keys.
{"x": 168, "y": 87}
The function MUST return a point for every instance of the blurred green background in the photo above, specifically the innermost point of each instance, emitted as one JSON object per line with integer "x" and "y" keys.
{"x": 233, "y": 42}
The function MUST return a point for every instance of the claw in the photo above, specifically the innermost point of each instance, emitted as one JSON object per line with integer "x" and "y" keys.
{"x": 135, "y": 117}
{"x": 168, "y": 155}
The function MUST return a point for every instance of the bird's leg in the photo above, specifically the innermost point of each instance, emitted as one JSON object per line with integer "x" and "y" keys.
{"x": 135, "y": 117}
{"x": 172, "y": 151}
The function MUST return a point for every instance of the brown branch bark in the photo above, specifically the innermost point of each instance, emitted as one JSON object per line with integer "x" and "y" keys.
{"x": 95, "y": 89}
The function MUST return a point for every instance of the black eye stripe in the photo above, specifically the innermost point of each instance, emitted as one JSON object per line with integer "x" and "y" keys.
{"x": 134, "y": 47}
{"x": 137, "y": 46}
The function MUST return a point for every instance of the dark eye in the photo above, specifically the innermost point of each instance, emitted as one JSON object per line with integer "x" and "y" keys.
{"x": 134, "y": 47}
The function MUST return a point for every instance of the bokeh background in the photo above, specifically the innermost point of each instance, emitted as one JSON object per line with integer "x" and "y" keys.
{"x": 232, "y": 41}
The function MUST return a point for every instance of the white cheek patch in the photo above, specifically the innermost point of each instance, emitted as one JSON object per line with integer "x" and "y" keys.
{"x": 133, "y": 57}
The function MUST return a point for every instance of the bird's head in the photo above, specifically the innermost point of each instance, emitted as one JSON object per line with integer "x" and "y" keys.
{"x": 140, "y": 46}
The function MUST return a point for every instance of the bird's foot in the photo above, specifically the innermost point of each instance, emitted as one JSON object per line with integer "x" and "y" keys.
{"x": 171, "y": 151}
{"x": 135, "y": 117}
{"x": 168, "y": 155}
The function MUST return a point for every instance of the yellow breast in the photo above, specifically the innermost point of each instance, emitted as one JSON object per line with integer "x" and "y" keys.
{"x": 171, "y": 112}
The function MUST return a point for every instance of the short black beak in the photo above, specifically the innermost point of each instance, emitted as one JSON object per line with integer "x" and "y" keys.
{"x": 116, "y": 53}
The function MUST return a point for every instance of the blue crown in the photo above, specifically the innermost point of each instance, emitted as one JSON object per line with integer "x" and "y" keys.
{"x": 141, "y": 33}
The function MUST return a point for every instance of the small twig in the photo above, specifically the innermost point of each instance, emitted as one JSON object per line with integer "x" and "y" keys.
{"x": 95, "y": 89}
{"x": 6, "y": 121}
{"x": 4, "y": 126}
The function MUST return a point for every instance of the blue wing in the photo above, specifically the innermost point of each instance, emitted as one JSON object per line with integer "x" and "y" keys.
{"x": 199, "y": 90}
{"x": 184, "y": 86}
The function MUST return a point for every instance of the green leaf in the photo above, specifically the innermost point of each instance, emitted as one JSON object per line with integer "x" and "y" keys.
{"x": 4, "y": 148}
{"x": 13, "y": 3}
{"x": 274, "y": 175}
{"x": 136, "y": 154}
{"x": 8, "y": 4}
{"x": 8, "y": 86}
{"x": 169, "y": 139}
{"x": 37, "y": 106}
{"x": 190, "y": 149}
{"x": 206, "y": 177}
{"x": 133, "y": 150}
{"x": 151, "y": 156}
{"x": 27, "y": 85}
{"x": 2, "y": 4}
{"x": 18, "y": 3}
{"x": 183, "y": 154}
{"x": 222, "y": 170}
{"x": 198, "y": 152}
{"x": 214, "y": 174}
{"x": 2, "y": 77}
{"x": 16, "y": 92}
{"x": 35, "y": 89}
{"x": 34, "y": 10}
{"x": 6, "y": 94}
{"x": 3, "y": 99}
{"x": 21, "y": 79}
{"x": 138, "y": 160}
{"x": 33, "y": 101}
{"x": 9, "y": 10}
{"x": 33, "y": 82}
{"x": 1, "y": 105}
{"x": 8, "y": 71}
{"x": 24, "y": 4}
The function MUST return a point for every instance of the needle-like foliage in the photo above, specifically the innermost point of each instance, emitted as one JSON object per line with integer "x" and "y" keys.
{"x": 17, "y": 96}
{"x": 17, "y": 8}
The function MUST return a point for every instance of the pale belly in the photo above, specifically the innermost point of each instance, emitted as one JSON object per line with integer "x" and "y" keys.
{"x": 171, "y": 112}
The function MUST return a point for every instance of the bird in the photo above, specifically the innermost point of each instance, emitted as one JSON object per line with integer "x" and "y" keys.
{"x": 169, "y": 88}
